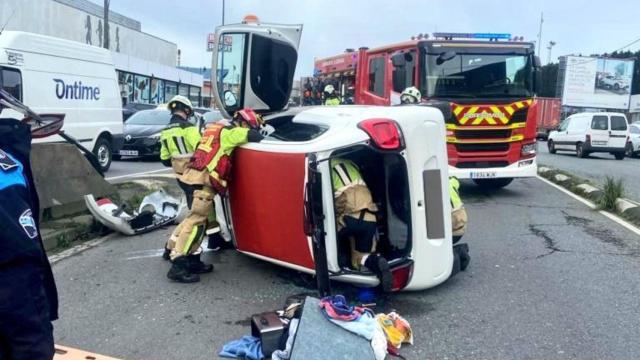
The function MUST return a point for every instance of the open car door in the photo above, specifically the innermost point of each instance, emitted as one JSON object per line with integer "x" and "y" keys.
{"x": 255, "y": 64}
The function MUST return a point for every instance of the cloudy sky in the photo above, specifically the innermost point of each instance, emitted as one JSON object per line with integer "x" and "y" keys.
{"x": 330, "y": 26}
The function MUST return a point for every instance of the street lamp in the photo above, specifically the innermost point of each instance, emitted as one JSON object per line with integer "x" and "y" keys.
{"x": 551, "y": 45}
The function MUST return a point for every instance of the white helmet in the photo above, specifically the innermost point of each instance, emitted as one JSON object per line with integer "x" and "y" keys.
{"x": 410, "y": 95}
{"x": 180, "y": 102}
{"x": 329, "y": 89}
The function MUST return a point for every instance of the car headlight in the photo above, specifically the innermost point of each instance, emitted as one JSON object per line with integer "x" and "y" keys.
{"x": 155, "y": 136}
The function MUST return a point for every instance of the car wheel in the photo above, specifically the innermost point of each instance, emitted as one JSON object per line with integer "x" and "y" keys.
{"x": 580, "y": 151}
{"x": 616, "y": 86}
{"x": 493, "y": 183}
{"x": 551, "y": 146}
{"x": 619, "y": 155}
{"x": 628, "y": 150}
{"x": 103, "y": 152}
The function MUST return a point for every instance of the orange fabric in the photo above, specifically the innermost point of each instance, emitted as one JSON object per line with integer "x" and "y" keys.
{"x": 67, "y": 353}
{"x": 396, "y": 328}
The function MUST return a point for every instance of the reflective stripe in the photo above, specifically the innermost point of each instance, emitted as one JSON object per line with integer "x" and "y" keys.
{"x": 194, "y": 237}
{"x": 179, "y": 141}
{"x": 342, "y": 172}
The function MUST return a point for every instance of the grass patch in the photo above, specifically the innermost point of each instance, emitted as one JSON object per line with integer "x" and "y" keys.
{"x": 612, "y": 190}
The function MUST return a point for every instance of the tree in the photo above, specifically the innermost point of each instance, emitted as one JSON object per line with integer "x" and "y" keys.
{"x": 549, "y": 80}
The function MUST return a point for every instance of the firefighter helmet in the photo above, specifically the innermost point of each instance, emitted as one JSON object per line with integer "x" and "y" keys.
{"x": 410, "y": 95}
{"x": 329, "y": 89}
{"x": 180, "y": 102}
{"x": 248, "y": 118}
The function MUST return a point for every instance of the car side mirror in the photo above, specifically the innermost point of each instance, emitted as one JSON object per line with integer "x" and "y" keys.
{"x": 230, "y": 99}
{"x": 537, "y": 75}
{"x": 45, "y": 125}
{"x": 445, "y": 56}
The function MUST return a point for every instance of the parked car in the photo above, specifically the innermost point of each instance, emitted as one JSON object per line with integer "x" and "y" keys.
{"x": 289, "y": 218}
{"x": 587, "y": 133}
{"x": 615, "y": 83}
{"x": 212, "y": 116}
{"x": 142, "y": 132}
{"x": 132, "y": 108}
{"x": 633, "y": 145}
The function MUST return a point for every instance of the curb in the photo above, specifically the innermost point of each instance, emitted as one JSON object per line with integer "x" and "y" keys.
{"x": 626, "y": 208}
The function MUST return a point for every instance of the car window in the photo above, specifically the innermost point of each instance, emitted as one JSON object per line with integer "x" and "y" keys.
{"x": 600, "y": 122}
{"x": 150, "y": 117}
{"x": 403, "y": 76}
{"x": 212, "y": 116}
{"x": 634, "y": 130}
{"x": 564, "y": 125}
{"x": 11, "y": 81}
{"x": 618, "y": 123}
{"x": 376, "y": 75}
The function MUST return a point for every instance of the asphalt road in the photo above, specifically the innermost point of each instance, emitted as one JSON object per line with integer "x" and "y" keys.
{"x": 549, "y": 279}
{"x": 131, "y": 165}
{"x": 596, "y": 167}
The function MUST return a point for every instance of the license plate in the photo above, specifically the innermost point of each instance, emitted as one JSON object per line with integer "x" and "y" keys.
{"x": 599, "y": 143}
{"x": 483, "y": 174}
{"x": 129, "y": 152}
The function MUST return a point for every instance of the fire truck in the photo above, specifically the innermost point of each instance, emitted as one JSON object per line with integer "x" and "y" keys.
{"x": 485, "y": 84}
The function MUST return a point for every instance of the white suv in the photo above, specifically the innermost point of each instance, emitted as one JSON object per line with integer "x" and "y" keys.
{"x": 587, "y": 133}
{"x": 633, "y": 145}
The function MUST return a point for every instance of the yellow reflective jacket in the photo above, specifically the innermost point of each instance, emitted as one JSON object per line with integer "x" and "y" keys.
{"x": 179, "y": 139}
{"x": 454, "y": 185}
{"x": 332, "y": 101}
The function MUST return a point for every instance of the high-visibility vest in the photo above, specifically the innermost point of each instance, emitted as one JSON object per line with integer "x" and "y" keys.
{"x": 213, "y": 153}
{"x": 332, "y": 101}
{"x": 454, "y": 185}
{"x": 179, "y": 139}
{"x": 344, "y": 174}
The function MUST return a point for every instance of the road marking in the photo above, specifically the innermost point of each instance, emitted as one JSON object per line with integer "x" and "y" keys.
{"x": 78, "y": 249}
{"x": 137, "y": 174}
{"x": 590, "y": 204}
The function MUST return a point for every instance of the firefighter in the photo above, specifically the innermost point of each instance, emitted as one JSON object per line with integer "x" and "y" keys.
{"x": 410, "y": 95}
{"x": 356, "y": 217}
{"x": 461, "y": 257}
{"x": 208, "y": 171}
{"x": 177, "y": 143}
{"x": 330, "y": 96}
{"x": 28, "y": 296}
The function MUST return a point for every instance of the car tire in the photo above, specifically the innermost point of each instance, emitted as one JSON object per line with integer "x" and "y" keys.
{"x": 628, "y": 150}
{"x": 616, "y": 86}
{"x": 619, "y": 155}
{"x": 551, "y": 146}
{"x": 580, "y": 151}
{"x": 103, "y": 151}
{"x": 493, "y": 183}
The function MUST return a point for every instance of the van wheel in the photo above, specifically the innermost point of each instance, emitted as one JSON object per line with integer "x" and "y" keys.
{"x": 580, "y": 151}
{"x": 103, "y": 152}
{"x": 551, "y": 146}
{"x": 493, "y": 183}
{"x": 619, "y": 155}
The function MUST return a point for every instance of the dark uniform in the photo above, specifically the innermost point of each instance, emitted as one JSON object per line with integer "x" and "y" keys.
{"x": 28, "y": 296}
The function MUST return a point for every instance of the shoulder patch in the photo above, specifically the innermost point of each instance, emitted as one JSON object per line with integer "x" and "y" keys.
{"x": 28, "y": 224}
{"x": 6, "y": 162}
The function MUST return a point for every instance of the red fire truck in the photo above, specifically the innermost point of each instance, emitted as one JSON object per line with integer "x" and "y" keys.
{"x": 484, "y": 83}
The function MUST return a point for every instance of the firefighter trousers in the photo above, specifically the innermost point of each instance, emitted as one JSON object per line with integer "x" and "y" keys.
{"x": 190, "y": 232}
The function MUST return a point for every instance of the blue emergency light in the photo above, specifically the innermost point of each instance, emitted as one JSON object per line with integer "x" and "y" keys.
{"x": 448, "y": 35}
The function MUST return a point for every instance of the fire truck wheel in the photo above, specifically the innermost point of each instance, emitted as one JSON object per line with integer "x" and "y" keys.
{"x": 493, "y": 183}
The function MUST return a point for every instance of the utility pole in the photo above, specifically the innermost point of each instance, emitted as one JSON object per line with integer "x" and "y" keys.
{"x": 551, "y": 45}
{"x": 105, "y": 41}
{"x": 540, "y": 32}
{"x": 223, "y": 12}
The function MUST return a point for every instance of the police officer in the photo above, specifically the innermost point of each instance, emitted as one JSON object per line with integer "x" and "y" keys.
{"x": 356, "y": 217}
{"x": 28, "y": 296}
{"x": 177, "y": 144}
{"x": 209, "y": 172}
{"x": 330, "y": 96}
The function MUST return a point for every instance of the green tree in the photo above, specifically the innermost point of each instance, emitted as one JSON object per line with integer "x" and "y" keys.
{"x": 549, "y": 80}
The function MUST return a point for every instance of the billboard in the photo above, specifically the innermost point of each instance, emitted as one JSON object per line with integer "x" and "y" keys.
{"x": 597, "y": 82}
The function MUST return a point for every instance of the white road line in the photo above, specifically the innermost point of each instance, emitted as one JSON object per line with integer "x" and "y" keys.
{"x": 137, "y": 174}
{"x": 590, "y": 204}
{"x": 78, "y": 249}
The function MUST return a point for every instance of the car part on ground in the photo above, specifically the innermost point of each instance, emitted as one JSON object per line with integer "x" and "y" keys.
{"x": 156, "y": 210}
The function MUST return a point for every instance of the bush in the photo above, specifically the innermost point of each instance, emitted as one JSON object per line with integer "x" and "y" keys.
{"x": 613, "y": 189}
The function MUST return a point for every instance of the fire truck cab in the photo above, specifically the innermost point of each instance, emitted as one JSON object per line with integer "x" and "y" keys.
{"x": 280, "y": 206}
{"x": 486, "y": 83}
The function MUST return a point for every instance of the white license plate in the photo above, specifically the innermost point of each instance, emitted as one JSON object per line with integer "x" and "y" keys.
{"x": 129, "y": 152}
{"x": 483, "y": 174}
{"x": 599, "y": 143}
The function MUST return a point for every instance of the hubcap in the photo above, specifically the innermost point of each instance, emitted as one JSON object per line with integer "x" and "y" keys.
{"x": 103, "y": 155}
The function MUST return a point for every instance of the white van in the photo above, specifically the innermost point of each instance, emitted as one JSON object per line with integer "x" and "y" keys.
{"x": 586, "y": 133}
{"x": 52, "y": 75}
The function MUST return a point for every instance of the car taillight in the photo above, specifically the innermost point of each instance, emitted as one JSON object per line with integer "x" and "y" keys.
{"x": 401, "y": 277}
{"x": 385, "y": 133}
{"x": 588, "y": 138}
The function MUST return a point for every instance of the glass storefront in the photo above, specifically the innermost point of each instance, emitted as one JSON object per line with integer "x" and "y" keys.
{"x": 142, "y": 89}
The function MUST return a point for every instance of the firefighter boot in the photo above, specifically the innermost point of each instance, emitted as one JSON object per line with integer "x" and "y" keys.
{"x": 180, "y": 271}
{"x": 380, "y": 267}
{"x": 167, "y": 252}
{"x": 216, "y": 242}
{"x": 196, "y": 266}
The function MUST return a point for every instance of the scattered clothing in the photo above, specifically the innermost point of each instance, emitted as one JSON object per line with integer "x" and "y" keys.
{"x": 396, "y": 328}
{"x": 337, "y": 308}
{"x": 286, "y": 353}
{"x": 248, "y": 347}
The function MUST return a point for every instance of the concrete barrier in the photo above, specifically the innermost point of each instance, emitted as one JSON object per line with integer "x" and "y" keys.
{"x": 63, "y": 176}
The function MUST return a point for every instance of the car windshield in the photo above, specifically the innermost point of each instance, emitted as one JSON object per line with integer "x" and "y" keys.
{"x": 212, "y": 116}
{"x": 476, "y": 72}
{"x": 150, "y": 117}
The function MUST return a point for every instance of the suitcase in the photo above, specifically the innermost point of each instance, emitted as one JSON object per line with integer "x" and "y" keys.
{"x": 269, "y": 329}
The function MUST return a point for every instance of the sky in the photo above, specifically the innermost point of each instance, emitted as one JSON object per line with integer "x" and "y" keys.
{"x": 331, "y": 26}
